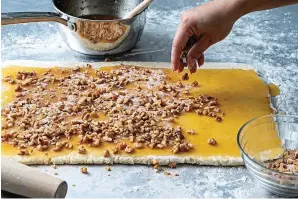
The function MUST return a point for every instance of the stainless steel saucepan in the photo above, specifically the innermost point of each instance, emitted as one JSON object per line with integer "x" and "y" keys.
{"x": 83, "y": 30}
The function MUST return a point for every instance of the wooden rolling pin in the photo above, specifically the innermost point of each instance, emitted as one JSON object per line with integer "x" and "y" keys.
{"x": 30, "y": 182}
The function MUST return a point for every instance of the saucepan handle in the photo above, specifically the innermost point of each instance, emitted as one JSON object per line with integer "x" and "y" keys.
{"x": 27, "y": 17}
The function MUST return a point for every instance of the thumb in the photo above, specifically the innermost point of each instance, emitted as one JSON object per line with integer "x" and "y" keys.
{"x": 196, "y": 52}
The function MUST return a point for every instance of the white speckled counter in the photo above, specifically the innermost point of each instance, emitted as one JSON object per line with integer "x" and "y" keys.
{"x": 266, "y": 40}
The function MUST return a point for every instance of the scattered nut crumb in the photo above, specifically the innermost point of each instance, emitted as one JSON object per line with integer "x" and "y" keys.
{"x": 172, "y": 165}
{"x": 195, "y": 84}
{"x": 185, "y": 77}
{"x": 84, "y": 170}
{"x": 155, "y": 162}
{"x": 167, "y": 173}
{"x": 212, "y": 141}
{"x": 191, "y": 132}
{"x": 108, "y": 168}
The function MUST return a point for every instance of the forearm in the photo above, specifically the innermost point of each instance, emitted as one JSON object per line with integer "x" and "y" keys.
{"x": 243, "y": 7}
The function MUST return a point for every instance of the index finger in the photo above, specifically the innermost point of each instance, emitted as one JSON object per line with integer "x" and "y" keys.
{"x": 181, "y": 37}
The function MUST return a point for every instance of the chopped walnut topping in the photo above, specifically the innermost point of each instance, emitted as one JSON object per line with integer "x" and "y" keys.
{"x": 82, "y": 150}
{"x": 212, "y": 141}
{"x": 144, "y": 116}
{"x": 84, "y": 170}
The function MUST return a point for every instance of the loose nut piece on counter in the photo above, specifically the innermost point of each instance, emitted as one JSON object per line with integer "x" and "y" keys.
{"x": 108, "y": 168}
{"x": 212, "y": 141}
{"x": 84, "y": 170}
{"x": 155, "y": 162}
{"x": 172, "y": 165}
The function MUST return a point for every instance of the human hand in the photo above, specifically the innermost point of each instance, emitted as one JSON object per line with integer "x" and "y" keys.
{"x": 209, "y": 24}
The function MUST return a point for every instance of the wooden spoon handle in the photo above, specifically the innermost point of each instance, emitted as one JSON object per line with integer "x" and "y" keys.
{"x": 142, "y": 6}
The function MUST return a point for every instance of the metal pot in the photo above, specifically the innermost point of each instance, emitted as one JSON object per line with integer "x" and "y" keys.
{"x": 85, "y": 35}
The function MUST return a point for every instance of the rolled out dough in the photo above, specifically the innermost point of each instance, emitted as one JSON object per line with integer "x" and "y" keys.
{"x": 75, "y": 158}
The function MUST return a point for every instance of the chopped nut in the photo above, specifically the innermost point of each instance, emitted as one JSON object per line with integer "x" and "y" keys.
{"x": 212, "y": 141}
{"x": 191, "y": 132}
{"x": 18, "y": 88}
{"x": 138, "y": 145}
{"x": 185, "y": 77}
{"x": 42, "y": 147}
{"x": 155, "y": 162}
{"x": 115, "y": 151}
{"x": 108, "y": 168}
{"x": 23, "y": 152}
{"x": 172, "y": 165}
{"x": 84, "y": 170}
{"x": 167, "y": 173}
{"x": 82, "y": 150}
{"x": 122, "y": 145}
{"x": 129, "y": 149}
{"x": 106, "y": 153}
{"x": 76, "y": 69}
{"x": 157, "y": 166}
{"x": 195, "y": 84}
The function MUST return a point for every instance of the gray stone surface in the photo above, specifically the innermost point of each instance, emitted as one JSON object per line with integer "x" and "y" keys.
{"x": 266, "y": 40}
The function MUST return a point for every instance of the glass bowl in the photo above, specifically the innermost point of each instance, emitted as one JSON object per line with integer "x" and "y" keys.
{"x": 266, "y": 138}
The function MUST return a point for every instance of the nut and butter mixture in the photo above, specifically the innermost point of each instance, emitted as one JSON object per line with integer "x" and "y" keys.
{"x": 288, "y": 163}
{"x": 139, "y": 106}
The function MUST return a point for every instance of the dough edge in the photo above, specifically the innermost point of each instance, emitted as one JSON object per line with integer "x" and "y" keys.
{"x": 76, "y": 158}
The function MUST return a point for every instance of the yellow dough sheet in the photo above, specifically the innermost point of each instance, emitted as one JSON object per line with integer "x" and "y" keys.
{"x": 241, "y": 93}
